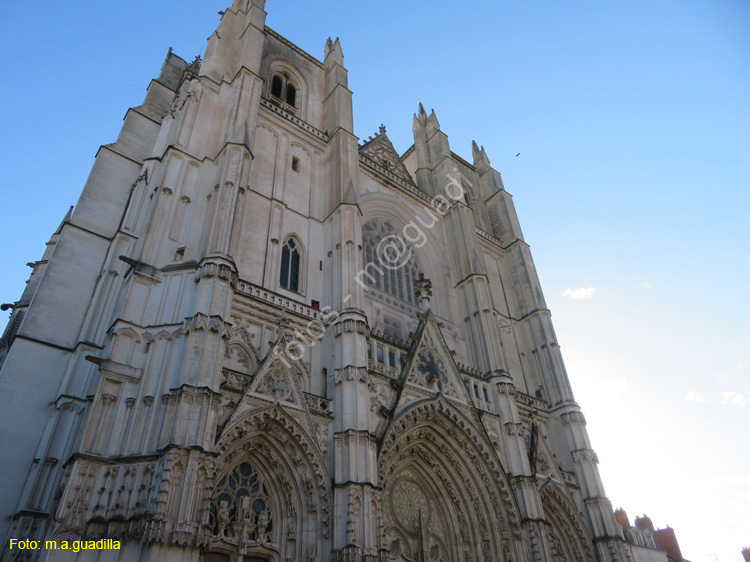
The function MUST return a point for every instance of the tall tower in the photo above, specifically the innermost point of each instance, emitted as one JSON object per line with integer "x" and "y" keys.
{"x": 257, "y": 339}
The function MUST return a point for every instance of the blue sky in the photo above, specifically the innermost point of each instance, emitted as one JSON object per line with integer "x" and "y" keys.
{"x": 632, "y": 189}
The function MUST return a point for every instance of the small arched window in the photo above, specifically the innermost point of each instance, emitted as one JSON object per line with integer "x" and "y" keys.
{"x": 291, "y": 94}
{"x": 290, "y": 261}
{"x": 277, "y": 86}
{"x": 283, "y": 91}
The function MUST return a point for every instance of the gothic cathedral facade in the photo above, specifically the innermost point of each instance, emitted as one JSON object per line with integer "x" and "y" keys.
{"x": 256, "y": 339}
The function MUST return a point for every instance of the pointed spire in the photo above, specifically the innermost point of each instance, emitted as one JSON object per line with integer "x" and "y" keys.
{"x": 481, "y": 161}
{"x": 432, "y": 123}
{"x": 420, "y": 117}
{"x": 333, "y": 49}
{"x": 474, "y": 149}
{"x": 337, "y": 104}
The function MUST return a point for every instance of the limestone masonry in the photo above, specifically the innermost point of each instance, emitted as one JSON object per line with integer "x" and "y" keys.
{"x": 255, "y": 339}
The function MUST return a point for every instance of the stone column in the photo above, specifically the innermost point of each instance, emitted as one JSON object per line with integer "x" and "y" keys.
{"x": 607, "y": 533}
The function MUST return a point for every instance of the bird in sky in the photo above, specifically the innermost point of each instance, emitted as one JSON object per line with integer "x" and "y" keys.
{"x": 519, "y": 154}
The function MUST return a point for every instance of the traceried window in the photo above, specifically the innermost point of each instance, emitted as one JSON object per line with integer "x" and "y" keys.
{"x": 242, "y": 506}
{"x": 290, "y": 261}
{"x": 391, "y": 265}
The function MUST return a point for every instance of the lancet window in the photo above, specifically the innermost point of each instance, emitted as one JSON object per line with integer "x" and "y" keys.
{"x": 289, "y": 276}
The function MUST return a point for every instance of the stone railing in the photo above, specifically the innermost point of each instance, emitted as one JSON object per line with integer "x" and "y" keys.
{"x": 318, "y": 404}
{"x": 382, "y": 369}
{"x": 528, "y": 400}
{"x": 471, "y": 371}
{"x": 389, "y": 340}
{"x": 490, "y": 238}
{"x": 232, "y": 380}
{"x": 250, "y": 290}
{"x": 294, "y": 119}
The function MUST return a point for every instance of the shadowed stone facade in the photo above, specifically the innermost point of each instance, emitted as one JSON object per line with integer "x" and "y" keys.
{"x": 256, "y": 339}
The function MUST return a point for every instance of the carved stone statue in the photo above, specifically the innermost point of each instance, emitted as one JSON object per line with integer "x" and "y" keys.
{"x": 223, "y": 517}
{"x": 263, "y": 519}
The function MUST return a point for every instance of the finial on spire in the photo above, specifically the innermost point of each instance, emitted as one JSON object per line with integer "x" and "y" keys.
{"x": 422, "y": 112}
{"x": 474, "y": 149}
{"x": 334, "y": 48}
{"x": 382, "y": 129}
{"x": 481, "y": 160}
{"x": 432, "y": 122}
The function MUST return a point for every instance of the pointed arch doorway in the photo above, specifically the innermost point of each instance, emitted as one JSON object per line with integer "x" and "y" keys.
{"x": 270, "y": 500}
{"x": 445, "y": 498}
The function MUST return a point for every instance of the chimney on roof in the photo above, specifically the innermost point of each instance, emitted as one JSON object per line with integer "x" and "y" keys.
{"x": 644, "y": 523}
{"x": 622, "y": 518}
{"x": 667, "y": 541}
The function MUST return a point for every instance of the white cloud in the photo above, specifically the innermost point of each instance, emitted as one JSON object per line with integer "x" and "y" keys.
{"x": 646, "y": 285}
{"x": 733, "y": 480}
{"x": 693, "y": 396}
{"x": 580, "y": 293}
{"x": 733, "y": 398}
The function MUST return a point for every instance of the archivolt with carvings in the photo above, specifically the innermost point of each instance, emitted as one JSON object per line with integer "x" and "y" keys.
{"x": 271, "y": 488}
{"x": 446, "y": 496}
{"x": 565, "y": 530}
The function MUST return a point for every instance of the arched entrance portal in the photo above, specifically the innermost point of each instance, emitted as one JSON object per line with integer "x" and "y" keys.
{"x": 271, "y": 494}
{"x": 445, "y": 497}
{"x": 565, "y": 530}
